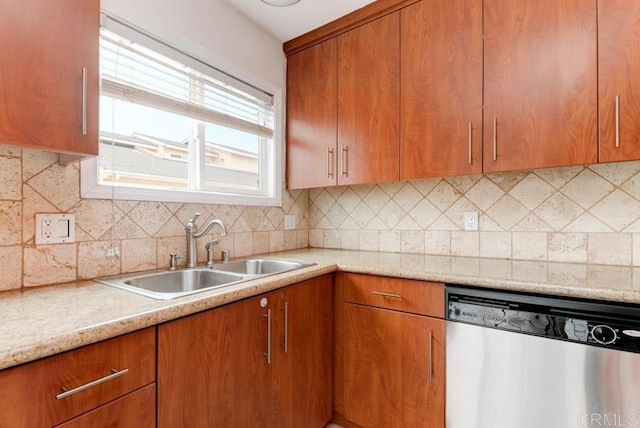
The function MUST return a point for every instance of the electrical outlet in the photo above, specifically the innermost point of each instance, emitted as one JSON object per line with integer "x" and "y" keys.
{"x": 471, "y": 220}
{"x": 55, "y": 228}
{"x": 289, "y": 221}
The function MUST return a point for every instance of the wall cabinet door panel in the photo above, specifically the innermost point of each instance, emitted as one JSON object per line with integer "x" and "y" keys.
{"x": 441, "y": 87}
{"x": 540, "y": 84}
{"x": 45, "y": 46}
{"x": 368, "y": 102}
{"x": 619, "y": 62}
{"x": 312, "y": 116}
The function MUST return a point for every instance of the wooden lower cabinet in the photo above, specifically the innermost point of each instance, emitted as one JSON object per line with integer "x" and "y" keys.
{"x": 390, "y": 364}
{"x": 31, "y": 394}
{"x": 228, "y": 367}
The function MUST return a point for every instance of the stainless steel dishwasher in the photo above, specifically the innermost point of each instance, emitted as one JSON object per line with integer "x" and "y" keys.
{"x": 519, "y": 360}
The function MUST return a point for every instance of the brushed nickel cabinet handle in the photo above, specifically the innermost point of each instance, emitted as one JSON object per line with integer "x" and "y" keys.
{"x": 84, "y": 100}
{"x": 495, "y": 139}
{"x": 268, "y": 353}
{"x": 430, "y": 356}
{"x": 285, "y": 344}
{"x": 380, "y": 293}
{"x": 329, "y": 162}
{"x": 345, "y": 161}
{"x": 617, "y": 121}
{"x": 470, "y": 144}
{"x": 67, "y": 392}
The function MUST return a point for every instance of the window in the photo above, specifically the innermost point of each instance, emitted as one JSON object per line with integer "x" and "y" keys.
{"x": 174, "y": 128}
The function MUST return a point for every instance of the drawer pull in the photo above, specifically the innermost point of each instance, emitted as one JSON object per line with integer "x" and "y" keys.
{"x": 380, "y": 293}
{"x": 114, "y": 374}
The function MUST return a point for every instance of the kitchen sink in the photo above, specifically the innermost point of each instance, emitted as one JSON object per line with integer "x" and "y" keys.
{"x": 259, "y": 266}
{"x": 168, "y": 284}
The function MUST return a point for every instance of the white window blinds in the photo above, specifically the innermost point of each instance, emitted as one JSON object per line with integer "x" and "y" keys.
{"x": 133, "y": 73}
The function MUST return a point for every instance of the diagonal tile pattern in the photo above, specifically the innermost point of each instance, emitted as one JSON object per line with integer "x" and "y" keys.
{"x": 558, "y": 214}
{"x": 143, "y": 232}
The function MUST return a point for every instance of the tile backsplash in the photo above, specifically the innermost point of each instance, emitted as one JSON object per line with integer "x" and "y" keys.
{"x": 572, "y": 214}
{"x": 145, "y": 233}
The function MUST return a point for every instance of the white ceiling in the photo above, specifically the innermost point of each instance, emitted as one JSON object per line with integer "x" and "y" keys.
{"x": 286, "y": 23}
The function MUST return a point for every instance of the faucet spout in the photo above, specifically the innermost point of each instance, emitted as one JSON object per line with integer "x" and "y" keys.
{"x": 192, "y": 237}
{"x": 208, "y": 227}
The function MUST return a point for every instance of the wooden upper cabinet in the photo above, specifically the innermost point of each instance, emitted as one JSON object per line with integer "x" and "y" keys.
{"x": 368, "y": 102}
{"x": 441, "y": 87}
{"x": 619, "y": 38}
{"x": 312, "y": 116}
{"x": 540, "y": 83}
{"x": 45, "y": 46}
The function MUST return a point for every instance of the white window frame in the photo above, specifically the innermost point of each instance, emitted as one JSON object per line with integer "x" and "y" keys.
{"x": 271, "y": 168}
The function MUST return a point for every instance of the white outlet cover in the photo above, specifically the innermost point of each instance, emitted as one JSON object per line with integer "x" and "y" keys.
{"x": 471, "y": 220}
{"x": 55, "y": 228}
{"x": 289, "y": 221}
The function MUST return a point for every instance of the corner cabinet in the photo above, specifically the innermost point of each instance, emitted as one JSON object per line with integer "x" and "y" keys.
{"x": 312, "y": 116}
{"x": 441, "y": 89}
{"x": 369, "y": 102}
{"x": 264, "y": 361}
{"x": 619, "y": 62}
{"x": 390, "y": 356}
{"x": 343, "y": 100}
{"x": 540, "y": 84}
{"x": 49, "y": 75}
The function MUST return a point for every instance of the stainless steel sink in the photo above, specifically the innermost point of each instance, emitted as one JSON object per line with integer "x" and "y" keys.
{"x": 166, "y": 284}
{"x": 170, "y": 284}
{"x": 260, "y": 266}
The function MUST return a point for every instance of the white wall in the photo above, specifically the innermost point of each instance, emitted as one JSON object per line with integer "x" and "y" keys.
{"x": 212, "y": 30}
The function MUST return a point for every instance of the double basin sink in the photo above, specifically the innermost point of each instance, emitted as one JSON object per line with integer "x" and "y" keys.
{"x": 169, "y": 284}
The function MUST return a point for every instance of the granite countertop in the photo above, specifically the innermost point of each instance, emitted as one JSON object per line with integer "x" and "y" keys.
{"x": 48, "y": 320}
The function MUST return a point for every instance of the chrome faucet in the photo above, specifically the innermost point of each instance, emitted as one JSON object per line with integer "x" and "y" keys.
{"x": 192, "y": 237}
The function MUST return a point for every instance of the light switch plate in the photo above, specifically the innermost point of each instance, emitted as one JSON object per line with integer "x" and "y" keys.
{"x": 55, "y": 228}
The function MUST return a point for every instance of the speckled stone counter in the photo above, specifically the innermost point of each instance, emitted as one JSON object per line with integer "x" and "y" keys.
{"x": 47, "y": 320}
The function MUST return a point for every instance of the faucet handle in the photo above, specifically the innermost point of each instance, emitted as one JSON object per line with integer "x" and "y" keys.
{"x": 195, "y": 218}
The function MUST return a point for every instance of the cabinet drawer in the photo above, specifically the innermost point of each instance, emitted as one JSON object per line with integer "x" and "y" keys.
{"x": 135, "y": 410}
{"x": 418, "y": 297}
{"x": 30, "y": 394}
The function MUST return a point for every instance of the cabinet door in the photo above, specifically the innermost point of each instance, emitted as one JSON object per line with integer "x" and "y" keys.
{"x": 312, "y": 116}
{"x": 368, "y": 102}
{"x": 212, "y": 368}
{"x": 540, "y": 83}
{"x": 441, "y": 87}
{"x": 302, "y": 369}
{"x": 619, "y": 61}
{"x": 45, "y": 45}
{"x": 393, "y": 368}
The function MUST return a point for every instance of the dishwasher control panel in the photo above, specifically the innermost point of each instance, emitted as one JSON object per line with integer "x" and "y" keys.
{"x": 565, "y": 319}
